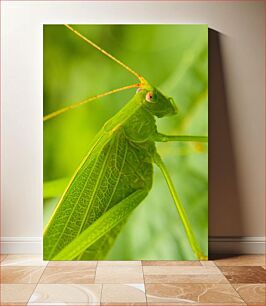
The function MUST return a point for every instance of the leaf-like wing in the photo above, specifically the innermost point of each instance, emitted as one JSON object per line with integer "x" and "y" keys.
{"x": 102, "y": 226}
{"x": 113, "y": 169}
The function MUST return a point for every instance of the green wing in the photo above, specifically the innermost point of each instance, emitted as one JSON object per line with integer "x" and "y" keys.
{"x": 110, "y": 172}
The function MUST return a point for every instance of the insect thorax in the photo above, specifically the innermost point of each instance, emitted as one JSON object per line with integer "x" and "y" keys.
{"x": 135, "y": 119}
{"x": 140, "y": 126}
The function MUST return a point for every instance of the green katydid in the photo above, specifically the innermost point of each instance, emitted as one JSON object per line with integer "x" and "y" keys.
{"x": 115, "y": 176}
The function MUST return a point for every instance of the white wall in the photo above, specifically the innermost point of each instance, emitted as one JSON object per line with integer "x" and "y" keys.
{"x": 237, "y": 197}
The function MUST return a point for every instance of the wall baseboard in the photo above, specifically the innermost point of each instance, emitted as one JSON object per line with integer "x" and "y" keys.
{"x": 217, "y": 245}
{"x": 236, "y": 245}
{"x": 21, "y": 245}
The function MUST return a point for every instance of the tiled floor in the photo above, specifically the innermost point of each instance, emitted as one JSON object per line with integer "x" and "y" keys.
{"x": 27, "y": 280}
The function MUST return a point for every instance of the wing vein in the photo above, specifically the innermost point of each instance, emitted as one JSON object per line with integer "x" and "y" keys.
{"x": 76, "y": 203}
{"x": 96, "y": 186}
{"x": 116, "y": 184}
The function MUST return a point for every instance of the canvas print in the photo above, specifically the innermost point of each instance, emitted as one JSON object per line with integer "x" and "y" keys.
{"x": 125, "y": 142}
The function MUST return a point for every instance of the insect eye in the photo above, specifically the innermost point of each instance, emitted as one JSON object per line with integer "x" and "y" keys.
{"x": 149, "y": 96}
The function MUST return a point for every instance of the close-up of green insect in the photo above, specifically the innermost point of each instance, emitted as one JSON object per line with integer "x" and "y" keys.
{"x": 116, "y": 174}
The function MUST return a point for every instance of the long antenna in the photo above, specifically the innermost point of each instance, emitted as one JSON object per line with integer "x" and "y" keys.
{"x": 77, "y": 104}
{"x": 104, "y": 52}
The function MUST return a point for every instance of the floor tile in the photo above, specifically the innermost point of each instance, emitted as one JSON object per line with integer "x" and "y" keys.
{"x": 21, "y": 275}
{"x": 208, "y": 263}
{"x": 2, "y": 256}
{"x": 14, "y": 304}
{"x": 68, "y": 275}
{"x": 123, "y": 293}
{"x": 243, "y": 260}
{"x": 119, "y": 274}
{"x": 170, "y": 263}
{"x": 74, "y": 263}
{"x": 119, "y": 263}
{"x": 183, "y": 274}
{"x": 195, "y": 304}
{"x": 63, "y": 294}
{"x": 251, "y": 293}
{"x": 16, "y": 293}
{"x": 194, "y": 270}
{"x": 24, "y": 260}
{"x": 248, "y": 274}
{"x": 126, "y": 304}
{"x": 192, "y": 293}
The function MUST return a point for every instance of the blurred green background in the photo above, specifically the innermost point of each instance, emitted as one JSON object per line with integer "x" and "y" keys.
{"x": 174, "y": 58}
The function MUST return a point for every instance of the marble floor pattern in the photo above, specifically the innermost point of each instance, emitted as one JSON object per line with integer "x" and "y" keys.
{"x": 229, "y": 281}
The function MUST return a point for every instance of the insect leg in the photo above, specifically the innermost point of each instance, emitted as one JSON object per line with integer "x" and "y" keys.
{"x": 102, "y": 226}
{"x": 165, "y": 138}
{"x": 191, "y": 237}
